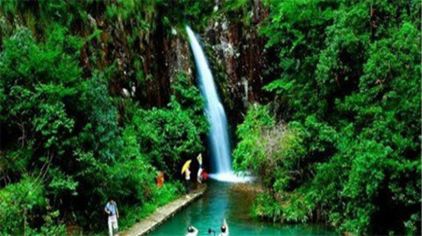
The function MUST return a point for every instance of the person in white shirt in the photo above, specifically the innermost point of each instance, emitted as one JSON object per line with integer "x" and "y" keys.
{"x": 113, "y": 215}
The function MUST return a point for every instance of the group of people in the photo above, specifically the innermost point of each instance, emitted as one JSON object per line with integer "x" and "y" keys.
{"x": 113, "y": 213}
{"x": 201, "y": 175}
{"x": 192, "y": 231}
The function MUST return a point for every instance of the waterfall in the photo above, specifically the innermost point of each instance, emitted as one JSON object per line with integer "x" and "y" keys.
{"x": 216, "y": 116}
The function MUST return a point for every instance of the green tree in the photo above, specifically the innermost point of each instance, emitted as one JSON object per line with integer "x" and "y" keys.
{"x": 349, "y": 84}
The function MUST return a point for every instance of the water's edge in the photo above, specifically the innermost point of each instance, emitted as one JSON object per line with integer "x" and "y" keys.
{"x": 231, "y": 202}
{"x": 163, "y": 213}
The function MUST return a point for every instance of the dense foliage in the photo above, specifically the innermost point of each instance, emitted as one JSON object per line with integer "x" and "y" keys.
{"x": 71, "y": 136}
{"x": 96, "y": 96}
{"x": 347, "y": 149}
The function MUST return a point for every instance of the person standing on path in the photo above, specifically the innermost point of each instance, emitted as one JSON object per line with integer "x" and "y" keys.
{"x": 160, "y": 179}
{"x": 113, "y": 215}
{"x": 199, "y": 175}
{"x": 186, "y": 173}
{"x": 187, "y": 179}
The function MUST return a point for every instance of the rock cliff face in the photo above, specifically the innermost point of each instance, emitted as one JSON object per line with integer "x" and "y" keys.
{"x": 235, "y": 50}
{"x": 239, "y": 51}
{"x": 160, "y": 54}
{"x": 143, "y": 58}
{"x": 145, "y": 51}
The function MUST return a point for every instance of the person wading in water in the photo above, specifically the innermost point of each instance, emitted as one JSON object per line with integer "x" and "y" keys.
{"x": 192, "y": 231}
{"x": 224, "y": 229}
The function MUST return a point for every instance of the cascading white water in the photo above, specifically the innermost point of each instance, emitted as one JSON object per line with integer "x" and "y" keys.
{"x": 214, "y": 110}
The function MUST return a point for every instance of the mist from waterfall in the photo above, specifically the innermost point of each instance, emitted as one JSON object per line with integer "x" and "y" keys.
{"x": 216, "y": 116}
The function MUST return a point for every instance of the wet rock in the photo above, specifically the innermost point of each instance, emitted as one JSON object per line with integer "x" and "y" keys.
{"x": 240, "y": 50}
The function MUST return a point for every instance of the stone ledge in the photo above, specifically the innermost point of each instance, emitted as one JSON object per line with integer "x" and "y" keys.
{"x": 163, "y": 213}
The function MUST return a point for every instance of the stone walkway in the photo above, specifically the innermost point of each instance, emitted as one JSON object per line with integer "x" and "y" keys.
{"x": 163, "y": 213}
